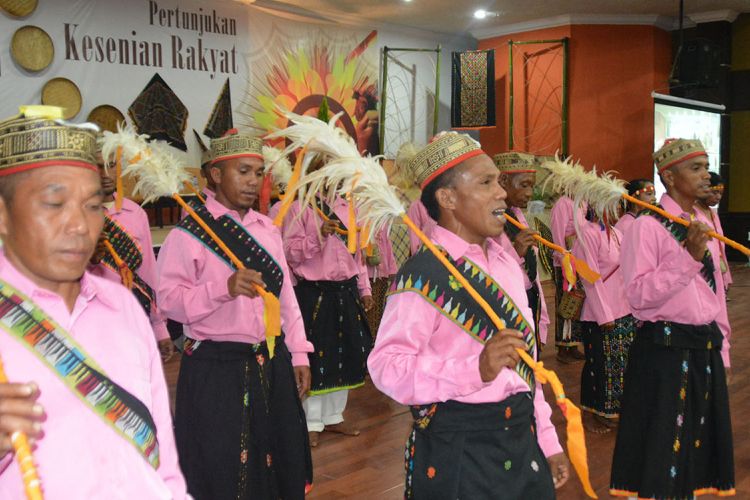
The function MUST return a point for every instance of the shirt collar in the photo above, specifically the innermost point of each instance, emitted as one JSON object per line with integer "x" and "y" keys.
{"x": 126, "y": 207}
{"x": 89, "y": 287}
{"x": 216, "y": 209}
{"x": 457, "y": 247}
{"x": 671, "y": 206}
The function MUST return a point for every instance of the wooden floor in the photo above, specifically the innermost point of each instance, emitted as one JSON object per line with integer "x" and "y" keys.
{"x": 371, "y": 465}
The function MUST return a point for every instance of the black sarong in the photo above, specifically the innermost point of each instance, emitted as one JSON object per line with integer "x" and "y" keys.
{"x": 603, "y": 373}
{"x": 336, "y": 324}
{"x": 675, "y": 434}
{"x": 562, "y": 338}
{"x": 477, "y": 451}
{"x": 240, "y": 428}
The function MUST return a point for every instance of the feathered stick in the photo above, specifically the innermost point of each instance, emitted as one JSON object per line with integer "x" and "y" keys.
{"x": 278, "y": 172}
{"x": 379, "y": 204}
{"x": 603, "y": 193}
{"x": 22, "y": 450}
{"x": 161, "y": 174}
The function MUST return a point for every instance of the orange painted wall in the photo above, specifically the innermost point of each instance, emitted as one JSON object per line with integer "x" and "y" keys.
{"x": 612, "y": 72}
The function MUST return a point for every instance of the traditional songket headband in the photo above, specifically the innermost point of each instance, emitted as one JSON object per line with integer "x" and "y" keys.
{"x": 235, "y": 145}
{"x": 38, "y": 137}
{"x": 515, "y": 162}
{"x": 675, "y": 151}
{"x": 444, "y": 152}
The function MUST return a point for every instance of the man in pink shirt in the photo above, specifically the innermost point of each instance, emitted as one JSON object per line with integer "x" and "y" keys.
{"x": 88, "y": 386}
{"x": 567, "y": 331}
{"x": 675, "y": 433}
{"x": 644, "y": 190}
{"x": 128, "y": 232}
{"x": 482, "y": 428}
{"x": 517, "y": 177}
{"x": 334, "y": 295}
{"x": 239, "y": 422}
{"x": 608, "y": 326}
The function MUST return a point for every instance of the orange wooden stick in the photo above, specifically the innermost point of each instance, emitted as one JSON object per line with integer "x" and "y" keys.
{"x": 740, "y": 248}
{"x": 192, "y": 189}
{"x": 572, "y": 413}
{"x": 581, "y": 266}
{"x": 31, "y": 483}
{"x": 126, "y": 274}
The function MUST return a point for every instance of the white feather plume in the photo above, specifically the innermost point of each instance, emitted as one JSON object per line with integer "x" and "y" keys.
{"x": 278, "y": 165}
{"x": 345, "y": 171}
{"x": 127, "y": 138}
{"x": 158, "y": 171}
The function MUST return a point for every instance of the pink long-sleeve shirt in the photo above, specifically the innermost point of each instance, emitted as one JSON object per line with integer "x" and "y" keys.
{"x": 625, "y": 222}
{"x": 605, "y": 298}
{"x": 314, "y": 257}
{"x": 562, "y": 224}
{"x": 507, "y": 245}
{"x": 79, "y": 455}
{"x": 421, "y": 357}
{"x": 387, "y": 266}
{"x": 135, "y": 221}
{"x": 418, "y": 214}
{"x": 193, "y": 288}
{"x": 663, "y": 282}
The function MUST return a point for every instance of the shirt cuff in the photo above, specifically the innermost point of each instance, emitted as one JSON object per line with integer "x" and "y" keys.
{"x": 300, "y": 359}
{"x": 160, "y": 330}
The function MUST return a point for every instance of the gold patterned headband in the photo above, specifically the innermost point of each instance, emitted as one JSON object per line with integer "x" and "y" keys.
{"x": 236, "y": 145}
{"x": 444, "y": 152}
{"x": 514, "y": 162}
{"x": 37, "y": 137}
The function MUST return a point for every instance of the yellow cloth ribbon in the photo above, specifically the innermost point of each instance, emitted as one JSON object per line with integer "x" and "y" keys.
{"x": 286, "y": 202}
{"x": 40, "y": 111}
{"x": 351, "y": 233}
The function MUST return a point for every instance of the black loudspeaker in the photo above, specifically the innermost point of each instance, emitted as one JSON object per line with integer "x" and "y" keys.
{"x": 699, "y": 64}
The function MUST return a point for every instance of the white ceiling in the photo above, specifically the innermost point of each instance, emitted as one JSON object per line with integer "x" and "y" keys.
{"x": 456, "y": 16}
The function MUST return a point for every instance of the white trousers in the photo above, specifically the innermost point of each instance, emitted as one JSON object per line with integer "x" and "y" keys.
{"x": 325, "y": 409}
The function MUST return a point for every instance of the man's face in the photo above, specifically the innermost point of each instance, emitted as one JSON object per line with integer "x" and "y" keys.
{"x": 109, "y": 185}
{"x": 690, "y": 178}
{"x": 477, "y": 199}
{"x": 715, "y": 195}
{"x": 51, "y": 226}
{"x": 238, "y": 181}
{"x": 520, "y": 188}
{"x": 647, "y": 193}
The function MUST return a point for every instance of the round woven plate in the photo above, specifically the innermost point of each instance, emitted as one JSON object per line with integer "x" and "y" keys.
{"x": 18, "y": 8}
{"x": 63, "y": 93}
{"x": 32, "y": 48}
{"x": 106, "y": 116}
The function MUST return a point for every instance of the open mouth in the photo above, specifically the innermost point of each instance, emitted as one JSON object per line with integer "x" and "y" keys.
{"x": 499, "y": 212}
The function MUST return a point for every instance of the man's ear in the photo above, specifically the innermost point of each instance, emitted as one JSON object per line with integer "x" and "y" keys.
{"x": 504, "y": 180}
{"x": 215, "y": 172}
{"x": 4, "y": 218}
{"x": 667, "y": 177}
{"x": 446, "y": 198}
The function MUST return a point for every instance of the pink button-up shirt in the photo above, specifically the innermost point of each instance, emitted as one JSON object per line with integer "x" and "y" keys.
{"x": 135, "y": 221}
{"x": 625, "y": 222}
{"x": 662, "y": 281}
{"x": 418, "y": 214}
{"x": 422, "y": 357}
{"x": 605, "y": 298}
{"x": 507, "y": 245}
{"x": 562, "y": 224}
{"x": 193, "y": 288}
{"x": 79, "y": 455}
{"x": 314, "y": 257}
{"x": 387, "y": 266}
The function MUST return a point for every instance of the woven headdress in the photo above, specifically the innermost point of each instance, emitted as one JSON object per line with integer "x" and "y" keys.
{"x": 675, "y": 151}
{"x": 38, "y": 137}
{"x": 514, "y": 162}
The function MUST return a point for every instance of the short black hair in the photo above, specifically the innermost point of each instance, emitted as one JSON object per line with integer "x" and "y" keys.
{"x": 428, "y": 198}
{"x": 716, "y": 179}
